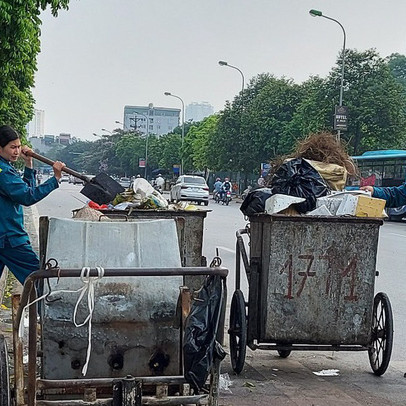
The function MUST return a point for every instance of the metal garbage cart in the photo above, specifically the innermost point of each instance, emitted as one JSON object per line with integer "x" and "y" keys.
{"x": 131, "y": 352}
{"x": 310, "y": 287}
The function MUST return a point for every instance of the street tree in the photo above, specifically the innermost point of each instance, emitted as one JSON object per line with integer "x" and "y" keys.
{"x": 197, "y": 143}
{"x": 375, "y": 102}
{"x": 19, "y": 46}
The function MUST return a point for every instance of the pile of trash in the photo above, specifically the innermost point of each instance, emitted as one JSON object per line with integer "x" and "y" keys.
{"x": 311, "y": 181}
{"x": 140, "y": 196}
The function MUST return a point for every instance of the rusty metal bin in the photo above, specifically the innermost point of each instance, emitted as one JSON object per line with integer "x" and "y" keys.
{"x": 311, "y": 287}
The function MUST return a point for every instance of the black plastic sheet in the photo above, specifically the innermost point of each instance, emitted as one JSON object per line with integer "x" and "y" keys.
{"x": 255, "y": 201}
{"x": 200, "y": 348}
{"x": 298, "y": 178}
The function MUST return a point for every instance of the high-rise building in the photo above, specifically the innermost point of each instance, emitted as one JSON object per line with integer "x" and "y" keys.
{"x": 158, "y": 120}
{"x": 35, "y": 128}
{"x": 64, "y": 139}
{"x": 198, "y": 111}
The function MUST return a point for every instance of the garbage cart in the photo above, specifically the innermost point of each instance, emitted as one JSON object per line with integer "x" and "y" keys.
{"x": 113, "y": 319}
{"x": 310, "y": 287}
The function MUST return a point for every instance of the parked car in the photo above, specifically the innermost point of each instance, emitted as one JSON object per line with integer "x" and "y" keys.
{"x": 75, "y": 180}
{"x": 64, "y": 178}
{"x": 125, "y": 182}
{"x": 189, "y": 187}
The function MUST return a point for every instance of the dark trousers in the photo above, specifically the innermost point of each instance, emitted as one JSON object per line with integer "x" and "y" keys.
{"x": 21, "y": 260}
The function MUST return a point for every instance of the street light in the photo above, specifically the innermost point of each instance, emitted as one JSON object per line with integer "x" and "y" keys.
{"x": 317, "y": 13}
{"x": 224, "y": 63}
{"x": 146, "y": 140}
{"x": 107, "y": 131}
{"x": 183, "y": 125}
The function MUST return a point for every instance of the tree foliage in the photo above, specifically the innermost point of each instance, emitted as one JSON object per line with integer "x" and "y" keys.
{"x": 19, "y": 47}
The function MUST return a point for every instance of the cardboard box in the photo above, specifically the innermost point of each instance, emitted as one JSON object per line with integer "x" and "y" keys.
{"x": 361, "y": 206}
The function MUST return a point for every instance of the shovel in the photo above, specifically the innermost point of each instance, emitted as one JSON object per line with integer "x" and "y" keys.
{"x": 102, "y": 189}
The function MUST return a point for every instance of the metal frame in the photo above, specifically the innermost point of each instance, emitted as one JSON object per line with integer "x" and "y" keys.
{"x": 253, "y": 268}
{"x": 125, "y": 391}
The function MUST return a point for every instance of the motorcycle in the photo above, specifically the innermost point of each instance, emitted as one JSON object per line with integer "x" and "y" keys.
{"x": 226, "y": 198}
{"x": 216, "y": 196}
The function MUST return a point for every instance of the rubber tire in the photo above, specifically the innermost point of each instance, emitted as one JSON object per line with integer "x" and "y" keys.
{"x": 238, "y": 331}
{"x": 284, "y": 353}
{"x": 380, "y": 348}
{"x": 5, "y": 399}
{"x": 206, "y": 203}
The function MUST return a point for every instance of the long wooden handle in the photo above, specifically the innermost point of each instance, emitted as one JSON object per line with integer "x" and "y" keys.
{"x": 48, "y": 161}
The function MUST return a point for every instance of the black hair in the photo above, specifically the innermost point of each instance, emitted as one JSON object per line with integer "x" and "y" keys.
{"x": 7, "y": 134}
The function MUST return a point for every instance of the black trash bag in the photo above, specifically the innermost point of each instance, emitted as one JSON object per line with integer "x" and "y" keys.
{"x": 200, "y": 348}
{"x": 255, "y": 201}
{"x": 298, "y": 178}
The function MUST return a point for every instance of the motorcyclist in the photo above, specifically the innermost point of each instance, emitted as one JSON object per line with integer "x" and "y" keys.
{"x": 217, "y": 186}
{"x": 160, "y": 182}
{"x": 225, "y": 187}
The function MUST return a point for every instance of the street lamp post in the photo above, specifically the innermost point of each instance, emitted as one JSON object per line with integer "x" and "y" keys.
{"x": 183, "y": 126}
{"x": 107, "y": 131}
{"x": 317, "y": 13}
{"x": 224, "y": 63}
{"x": 146, "y": 140}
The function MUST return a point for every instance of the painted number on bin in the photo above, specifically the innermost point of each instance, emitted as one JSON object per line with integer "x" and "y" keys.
{"x": 349, "y": 271}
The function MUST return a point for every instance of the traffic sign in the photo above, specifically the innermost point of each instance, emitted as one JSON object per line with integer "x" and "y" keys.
{"x": 341, "y": 118}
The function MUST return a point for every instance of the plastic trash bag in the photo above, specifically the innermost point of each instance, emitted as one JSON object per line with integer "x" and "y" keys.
{"x": 298, "y": 178}
{"x": 255, "y": 201}
{"x": 200, "y": 348}
{"x": 142, "y": 187}
{"x": 224, "y": 383}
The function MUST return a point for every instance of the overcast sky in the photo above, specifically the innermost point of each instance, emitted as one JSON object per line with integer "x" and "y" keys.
{"x": 101, "y": 55}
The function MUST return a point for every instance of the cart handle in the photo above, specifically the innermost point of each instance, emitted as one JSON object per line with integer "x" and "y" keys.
{"x": 57, "y": 272}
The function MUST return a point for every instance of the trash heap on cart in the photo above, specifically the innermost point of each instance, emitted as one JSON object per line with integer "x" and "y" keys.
{"x": 312, "y": 182}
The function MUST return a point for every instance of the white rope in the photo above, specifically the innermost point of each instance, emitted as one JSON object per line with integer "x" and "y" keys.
{"x": 88, "y": 286}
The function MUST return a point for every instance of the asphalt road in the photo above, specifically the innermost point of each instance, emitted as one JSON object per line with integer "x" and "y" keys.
{"x": 267, "y": 378}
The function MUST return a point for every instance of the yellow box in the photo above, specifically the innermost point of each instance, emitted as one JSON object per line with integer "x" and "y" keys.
{"x": 369, "y": 207}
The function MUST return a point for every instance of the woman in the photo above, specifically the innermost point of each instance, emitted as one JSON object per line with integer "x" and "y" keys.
{"x": 15, "y": 247}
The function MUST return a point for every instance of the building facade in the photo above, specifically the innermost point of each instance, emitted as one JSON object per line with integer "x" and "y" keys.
{"x": 150, "y": 119}
{"x": 198, "y": 111}
{"x": 35, "y": 128}
{"x": 43, "y": 144}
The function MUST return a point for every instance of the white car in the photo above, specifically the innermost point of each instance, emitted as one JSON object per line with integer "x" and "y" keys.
{"x": 189, "y": 187}
{"x": 64, "y": 178}
{"x": 125, "y": 182}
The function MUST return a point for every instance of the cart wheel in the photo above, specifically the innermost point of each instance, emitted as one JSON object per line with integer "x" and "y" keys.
{"x": 284, "y": 353}
{"x": 4, "y": 377}
{"x": 238, "y": 331}
{"x": 380, "y": 349}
